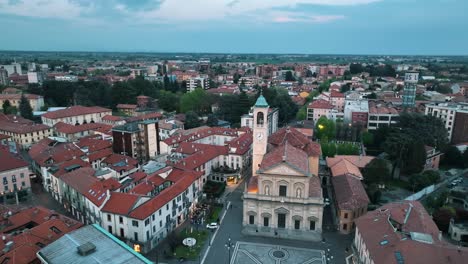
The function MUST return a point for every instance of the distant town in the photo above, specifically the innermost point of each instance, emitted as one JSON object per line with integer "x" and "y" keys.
{"x": 113, "y": 157}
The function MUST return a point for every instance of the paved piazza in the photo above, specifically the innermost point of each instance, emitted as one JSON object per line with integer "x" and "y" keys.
{"x": 247, "y": 253}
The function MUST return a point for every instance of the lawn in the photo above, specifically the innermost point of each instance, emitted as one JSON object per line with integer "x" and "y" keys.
{"x": 191, "y": 253}
{"x": 215, "y": 214}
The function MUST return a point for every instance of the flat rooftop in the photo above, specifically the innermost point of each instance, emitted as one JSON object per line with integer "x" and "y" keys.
{"x": 107, "y": 248}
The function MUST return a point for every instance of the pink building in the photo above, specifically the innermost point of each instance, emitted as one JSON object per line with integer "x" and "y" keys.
{"x": 337, "y": 99}
{"x": 14, "y": 172}
{"x": 319, "y": 108}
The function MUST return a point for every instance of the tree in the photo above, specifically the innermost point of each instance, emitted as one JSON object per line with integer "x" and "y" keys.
{"x": 325, "y": 127}
{"x": 6, "y": 106}
{"x": 344, "y": 88}
{"x": 377, "y": 171}
{"x": 415, "y": 159}
{"x": 212, "y": 120}
{"x": 197, "y": 100}
{"x": 309, "y": 74}
{"x": 279, "y": 98}
{"x": 443, "y": 216}
{"x": 371, "y": 96}
{"x": 289, "y": 77}
{"x": 355, "y": 68}
{"x": 191, "y": 120}
{"x": 368, "y": 139}
{"x": 443, "y": 88}
{"x": 453, "y": 157}
{"x": 25, "y": 108}
{"x": 465, "y": 159}
{"x": 302, "y": 113}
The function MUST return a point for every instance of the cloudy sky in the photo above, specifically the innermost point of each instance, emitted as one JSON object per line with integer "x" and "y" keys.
{"x": 237, "y": 26}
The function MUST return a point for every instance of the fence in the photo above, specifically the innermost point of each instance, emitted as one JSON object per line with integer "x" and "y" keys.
{"x": 421, "y": 193}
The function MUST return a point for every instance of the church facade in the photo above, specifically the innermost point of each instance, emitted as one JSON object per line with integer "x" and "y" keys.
{"x": 283, "y": 198}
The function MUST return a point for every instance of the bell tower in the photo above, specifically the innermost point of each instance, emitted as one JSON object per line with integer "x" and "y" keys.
{"x": 260, "y": 132}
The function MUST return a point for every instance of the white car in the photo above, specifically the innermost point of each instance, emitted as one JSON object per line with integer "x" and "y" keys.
{"x": 212, "y": 225}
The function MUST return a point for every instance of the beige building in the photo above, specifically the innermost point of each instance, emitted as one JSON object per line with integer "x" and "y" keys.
{"x": 23, "y": 131}
{"x": 36, "y": 101}
{"x": 283, "y": 197}
{"x": 76, "y": 115}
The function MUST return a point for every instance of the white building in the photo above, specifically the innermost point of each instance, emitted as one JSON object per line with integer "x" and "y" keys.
{"x": 447, "y": 112}
{"x": 76, "y": 115}
{"x": 193, "y": 83}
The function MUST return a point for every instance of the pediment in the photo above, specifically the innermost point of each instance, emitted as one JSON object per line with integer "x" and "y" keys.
{"x": 283, "y": 169}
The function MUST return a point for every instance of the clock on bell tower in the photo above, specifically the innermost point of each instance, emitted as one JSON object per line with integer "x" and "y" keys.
{"x": 260, "y": 132}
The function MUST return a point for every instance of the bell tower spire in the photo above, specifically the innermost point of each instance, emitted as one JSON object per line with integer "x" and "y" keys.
{"x": 260, "y": 132}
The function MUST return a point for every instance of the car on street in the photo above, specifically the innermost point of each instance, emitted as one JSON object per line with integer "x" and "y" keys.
{"x": 212, "y": 225}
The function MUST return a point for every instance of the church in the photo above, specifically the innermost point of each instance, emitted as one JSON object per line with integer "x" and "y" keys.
{"x": 283, "y": 198}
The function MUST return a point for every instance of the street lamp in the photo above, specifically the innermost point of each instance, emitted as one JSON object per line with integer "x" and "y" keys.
{"x": 229, "y": 244}
{"x": 320, "y": 126}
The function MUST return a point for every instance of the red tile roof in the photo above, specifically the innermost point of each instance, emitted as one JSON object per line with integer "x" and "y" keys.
{"x": 101, "y": 154}
{"x": 349, "y": 192}
{"x": 18, "y": 96}
{"x": 9, "y": 162}
{"x": 120, "y": 203}
{"x": 75, "y": 111}
{"x": 320, "y": 104}
{"x": 297, "y": 139}
{"x": 21, "y": 128}
{"x": 146, "y": 209}
{"x": 112, "y": 118}
{"x": 383, "y": 241}
{"x": 201, "y": 154}
{"x": 334, "y": 93}
{"x": 81, "y": 179}
{"x": 286, "y": 154}
{"x": 47, "y": 149}
{"x": 126, "y": 106}
{"x": 242, "y": 144}
{"x": 120, "y": 162}
{"x": 93, "y": 144}
{"x": 149, "y": 116}
{"x": 64, "y": 167}
{"x": 148, "y": 185}
{"x": 348, "y": 164}
{"x": 97, "y": 192}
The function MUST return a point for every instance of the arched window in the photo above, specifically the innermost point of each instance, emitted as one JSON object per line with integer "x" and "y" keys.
{"x": 260, "y": 119}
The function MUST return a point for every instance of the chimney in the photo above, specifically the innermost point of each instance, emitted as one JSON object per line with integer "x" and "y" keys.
{"x": 440, "y": 235}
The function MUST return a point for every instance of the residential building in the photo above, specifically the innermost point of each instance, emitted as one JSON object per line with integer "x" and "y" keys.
{"x": 272, "y": 118}
{"x": 448, "y": 112}
{"x": 409, "y": 90}
{"x": 4, "y": 76}
{"x": 72, "y": 133}
{"x": 23, "y": 131}
{"x": 120, "y": 165}
{"x": 458, "y": 231}
{"x": 284, "y": 197}
{"x": 337, "y": 99}
{"x": 29, "y": 230}
{"x": 89, "y": 244}
{"x": 139, "y": 140}
{"x": 127, "y": 109}
{"x": 348, "y": 165}
{"x": 193, "y": 83}
{"x": 350, "y": 200}
{"x": 14, "y": 68}
{"x": 382, "y": 114}
{"x": 356, "y": 112}
{"x": 35, "y": 77}
{"x": 334, "y": 70}
{"x": 14, "y": 172}
{"x": 319, "y": 108}
{"x": 113, "y": 120}
{"x": 402, "y": 232}
{"x": 76, "y": 115}
{"x": 35, "y": 101}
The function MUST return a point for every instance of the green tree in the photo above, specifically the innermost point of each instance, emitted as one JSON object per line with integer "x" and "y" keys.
{"x": 453, "y": 157}
{"x": 302, "y": 113}
{"x": 168, "y": 101}
{"x": 198, "y": 101}
{"x": 25, "y": 108}
{"x": 212, "y": 120}
{"x": 355, "y": 68}
{"x": 6, "y": 106}
{"x": 465, "y": 159}
{"x": 344, "y": 88}
{"x": 368, "y": 139}
{"x": 279, "y": 98}
{"x": 377, "y": 171}
{"x": 289, "y": 77}
{"x": 415, "y": 159}
{"x": 191, "y": 120}
{"x": 325, "y": 127}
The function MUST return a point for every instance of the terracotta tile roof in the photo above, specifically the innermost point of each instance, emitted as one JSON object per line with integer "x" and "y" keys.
{"x": 120, "y": 203}
{"x": 347, "y": 167}
{"x": 241, "y": 144}
{"x": 287, "y": 154}
{"x": 75, "y": 111}
{"x": 149, "y": 116}
{"x": 98, "y": 192}
{"x": 138, "y": 176}
{"x": 383, "y": 241}
{"x": 176, "y": 174}
{"x": 120, "y": 162}
{"x": 297, "y": 139}
{"x": 202, "y": 132}
{"x": 9, "y": 162}
{"x": 146, "y": 209}
{"x": 93, "y": 144}
{"x": 148, "y": 185}
{"x": 202, "y": 153}
{"x": 81, "y": 179}
{"x": 349, "y": 192}
{"x": 334, "y": 93}
{"x": 69, "y": 165}
{"x": 21, "y": 128}
{"x": 112, "y": 118}
{"x": 315, "y": 188}
{"x": 18, "y": 96}
{"x": 320, "y": 104}
{"x": 48, "y": 150}
{"x": 101, "y": 154}
{"x": 126, "y": 106}
{"x": 72, "y": 129}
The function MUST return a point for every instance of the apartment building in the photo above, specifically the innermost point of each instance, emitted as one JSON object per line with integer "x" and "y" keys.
{"x": 356, "y": 112}
{"x": 76, "y": 115}
{"x": 453, "y": 115}
{"x": 319, "y": 108}
{"x": 35, "y": 101}
{"x": 201, "y": 82}
{"x": 381, "y": 114}
{"x": 73, "y": 133}
{"x": 14, "y": 172}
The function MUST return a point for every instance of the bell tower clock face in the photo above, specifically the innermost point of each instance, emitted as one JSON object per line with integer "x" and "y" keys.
{"x": 259, "y": 135}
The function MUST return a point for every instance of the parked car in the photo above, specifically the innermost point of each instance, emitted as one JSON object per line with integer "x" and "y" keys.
{"x": 212, "y": 225}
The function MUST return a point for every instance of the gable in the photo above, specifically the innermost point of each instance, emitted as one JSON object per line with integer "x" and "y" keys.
{"x": 283, "y": 169}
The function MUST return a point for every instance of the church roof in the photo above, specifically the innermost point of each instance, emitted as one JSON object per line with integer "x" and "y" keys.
{"x": 296, "y": 139}
{"x": 261, "y": 102}
{"x": 286, "y": 153}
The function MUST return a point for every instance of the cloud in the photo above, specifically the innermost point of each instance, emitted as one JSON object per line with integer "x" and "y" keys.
{"x": 300, "y": 17}
{"x": 63, "y": 9}
{"x": 181, "y": 11}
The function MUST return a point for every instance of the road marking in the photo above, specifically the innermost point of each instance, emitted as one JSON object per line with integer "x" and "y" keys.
{"x": 215, "y": 233}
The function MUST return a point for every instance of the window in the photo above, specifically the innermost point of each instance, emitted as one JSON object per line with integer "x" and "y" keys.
{"x": 135, "y": 223}
{"x": 297, "y": 224}
{"x": 281, "y": 220}
{"x": 154, "y": 229}
{"x": 108, "y": 217}
{"x": 21, "y": 175}
{"x": 13, "y": 178}
{"x": 147, "y": 222}
{"x": 251, "y": 219}
{"x": 23, "y": 184}
{"x": 282, "y": 190}
{"x": 109, "y": 228}
{"x": 5, "y": 181}
{"x": 55, "y": 230}
{"x": 6, "y": 187}
{"x": 135, "y": 236}
{"x": 160, "y": 223}
{"x": 120, "y": 219}
{"x": 312, "y": 225}
{"x": 266, "y": 221}
{"x": 122, "y": 233}
{"x": 147, "y": 235}
{"x": 346, "y": 215}
{"x": 345, "y": 226}
{"x": 167, "y": 206}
